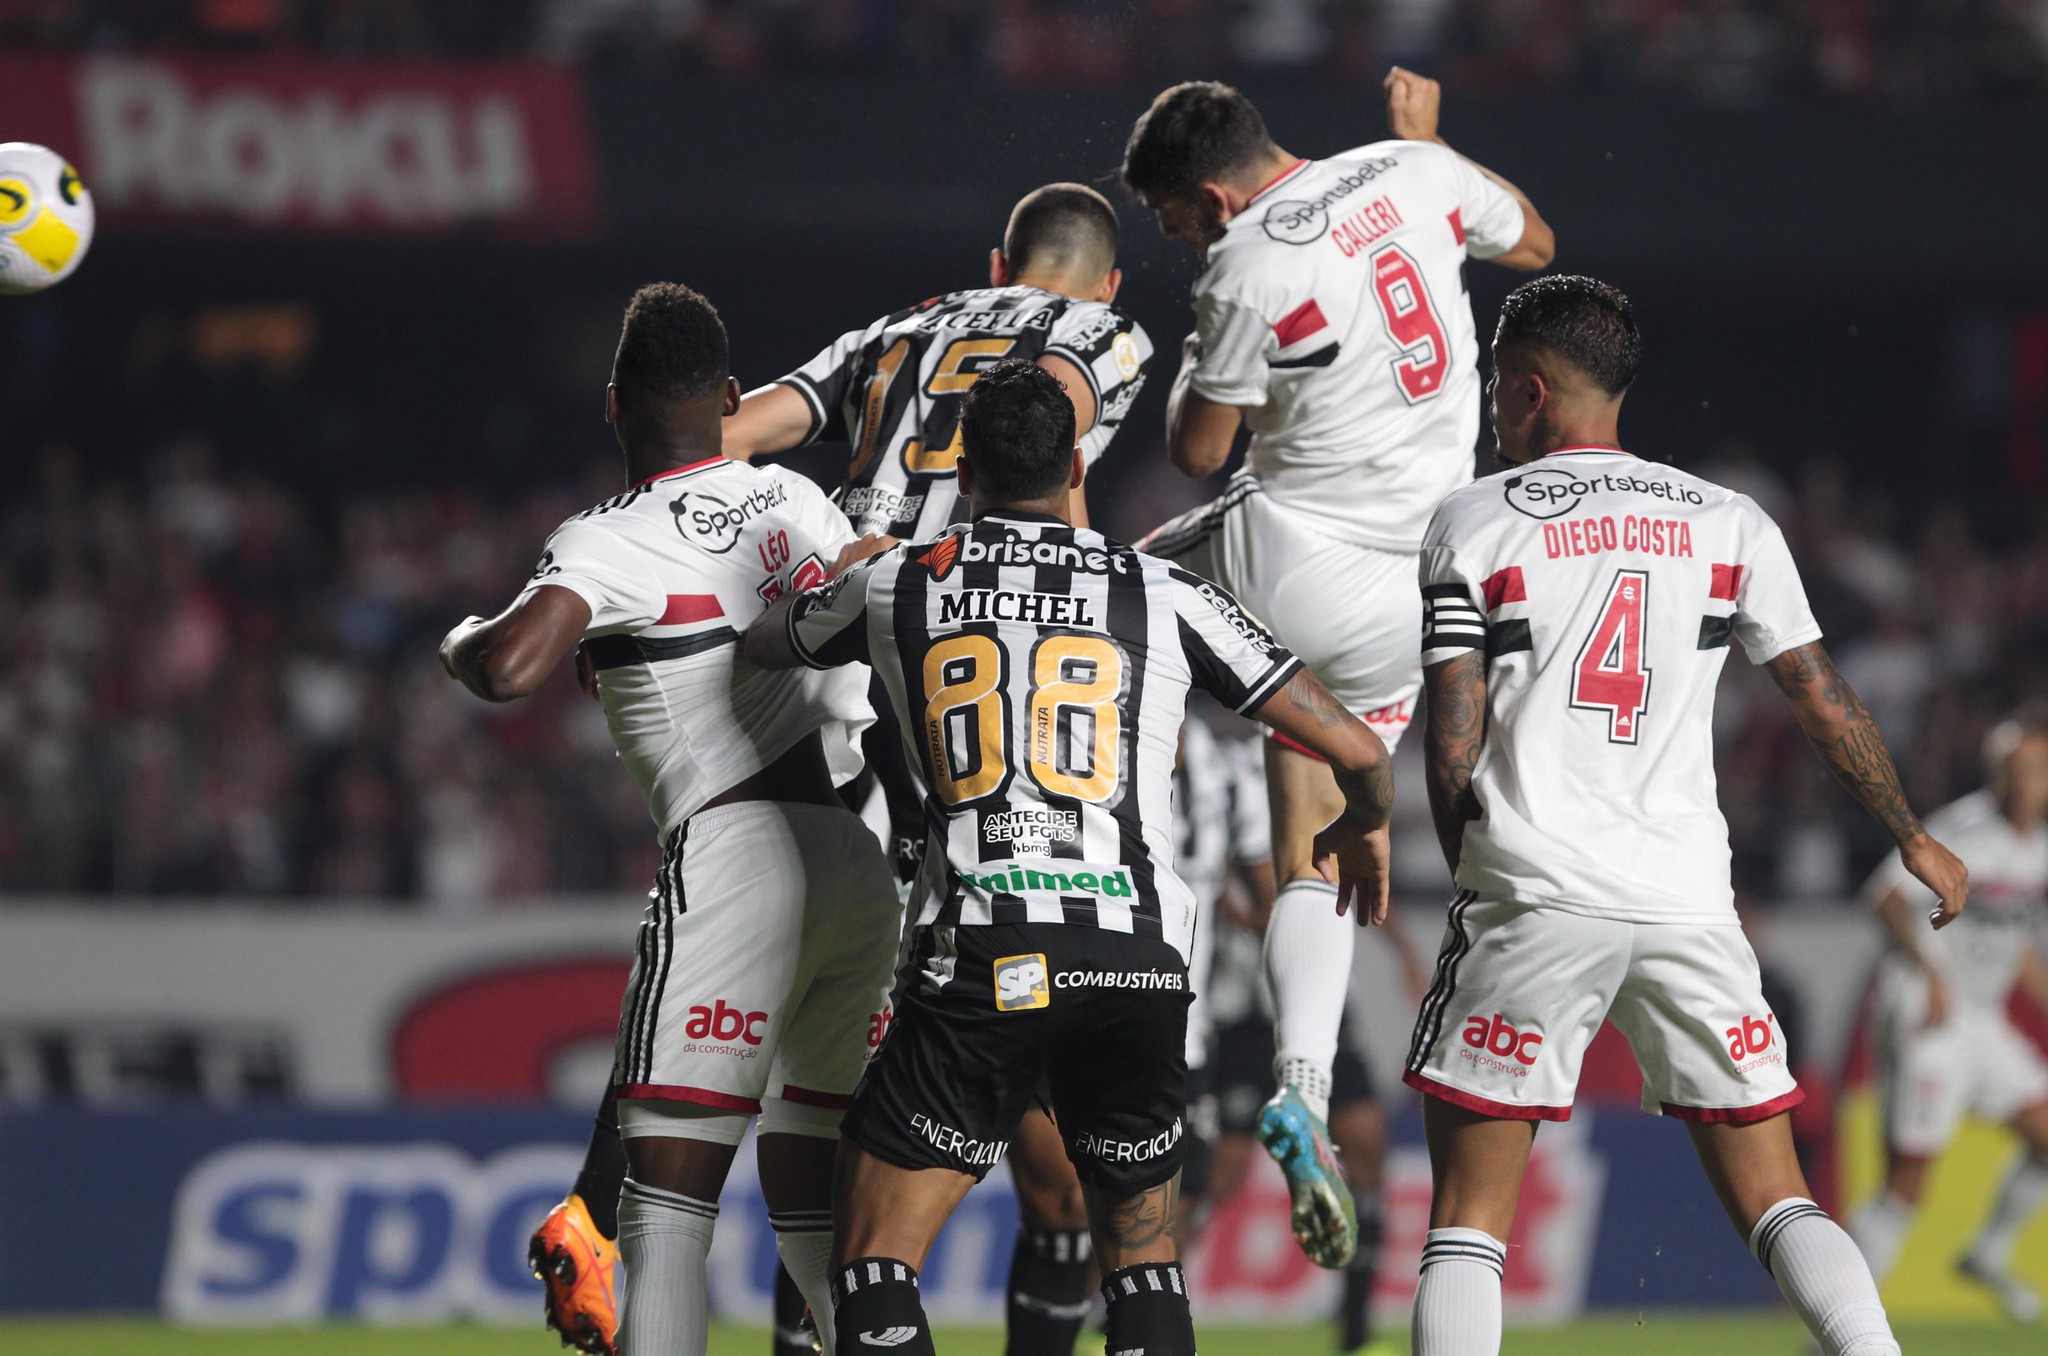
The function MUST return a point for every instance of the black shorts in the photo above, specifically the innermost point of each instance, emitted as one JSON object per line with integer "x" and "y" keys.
{"x": 1240, "y": 1073}
{"x": 1100, "y": 1016}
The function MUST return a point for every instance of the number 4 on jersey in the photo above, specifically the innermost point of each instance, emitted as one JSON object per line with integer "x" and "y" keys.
{"x": 1610, "y": 675}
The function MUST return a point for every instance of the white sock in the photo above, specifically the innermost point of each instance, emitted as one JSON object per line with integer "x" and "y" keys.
{"x": 1457, "y": 1301}
{"x": 2020, "y": 1197}
{"x": 664, "y": 1238}
{"x": 1824, "y": 1277}
{"x": 1880, "y": 1230}
{"x": 1308, "y": 965}
{"x": 804, "y": 1240}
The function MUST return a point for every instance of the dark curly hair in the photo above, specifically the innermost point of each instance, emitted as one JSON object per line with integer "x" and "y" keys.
{"x": 1583, "y": 320}
{"x": 1194, "y": 133}
{"x": 672, "y": 346}
{"x": 1017, "y": 431}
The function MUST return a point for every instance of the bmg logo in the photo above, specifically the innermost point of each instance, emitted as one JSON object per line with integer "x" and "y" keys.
{"x": 1021, "y": 983}
{"x": 1498, "y": 1037}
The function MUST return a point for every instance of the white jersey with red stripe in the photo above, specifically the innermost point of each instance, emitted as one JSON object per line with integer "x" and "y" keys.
{"x": 1603, "y": 591}
{"x": 674, "y": 570}
{"x": 1333, "y": 310}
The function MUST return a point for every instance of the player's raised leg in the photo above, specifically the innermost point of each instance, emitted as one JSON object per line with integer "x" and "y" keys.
{"x": 1755, "y": 1171}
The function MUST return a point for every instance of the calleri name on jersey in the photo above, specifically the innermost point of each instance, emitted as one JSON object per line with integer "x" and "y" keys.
{"x": 894, "y": 390}
{"x": 1604, "y": 591}
{"x": 1040, "y": 673}
{"x": 1333, "y": 311}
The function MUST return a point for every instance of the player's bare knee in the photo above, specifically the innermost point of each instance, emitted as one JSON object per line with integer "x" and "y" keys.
{"x": 689, "y": 1155}
{"x": 1905, "y": 1176}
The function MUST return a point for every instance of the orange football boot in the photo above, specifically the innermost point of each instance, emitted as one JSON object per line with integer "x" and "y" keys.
{"x": 579, "y": 1266}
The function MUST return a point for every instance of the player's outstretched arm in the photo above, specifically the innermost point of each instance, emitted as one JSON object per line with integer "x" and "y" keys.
{"x": 1413, "y": 104}
{"x": 1451, "y": 738}
{"x": 1352, "y": 851}
{"x": 511, "y": 654}
{"x": 1841, "y": 731}
{"x": 770, "y": 419}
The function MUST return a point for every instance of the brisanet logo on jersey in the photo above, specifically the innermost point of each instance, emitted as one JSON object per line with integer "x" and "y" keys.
{"x": 272, "y": 1232}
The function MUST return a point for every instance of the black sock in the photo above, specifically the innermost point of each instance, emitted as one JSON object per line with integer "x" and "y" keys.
{"x": 1048, "y": 1298}
{"x": 1148, "y": 1311}
{"x": 790, "y": 1338}
{"x": 604, "y": 1168}
{"x": 1354, "y": 1317}
{"x": 875, "y": 1304}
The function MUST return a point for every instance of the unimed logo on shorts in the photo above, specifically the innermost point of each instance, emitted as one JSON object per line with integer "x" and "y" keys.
{"x": 1021, "y": 983}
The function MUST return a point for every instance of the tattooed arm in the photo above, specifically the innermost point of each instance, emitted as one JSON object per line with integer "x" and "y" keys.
{"x": 1352, "y": 850}
{"x": 1451, "y": 738}
{"x": 1847, "y": 740}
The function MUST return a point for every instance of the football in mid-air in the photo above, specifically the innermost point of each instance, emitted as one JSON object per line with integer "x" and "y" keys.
{"x": 45, "y": 217}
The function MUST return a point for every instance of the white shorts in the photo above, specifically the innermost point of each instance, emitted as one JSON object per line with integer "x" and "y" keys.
{"x": 764, "y": 964}
{"x": 1974, "y": 1064}
{"x": 1520, "y": 992}
{"x": 1352, "y": 613}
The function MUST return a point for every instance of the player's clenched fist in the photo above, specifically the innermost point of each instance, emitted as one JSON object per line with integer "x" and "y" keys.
{"x": 1355, "y": 860}
{"x": 1412, "y": 104}
{"x": 1940, "y": 871}
{"x": 854, "y": 552}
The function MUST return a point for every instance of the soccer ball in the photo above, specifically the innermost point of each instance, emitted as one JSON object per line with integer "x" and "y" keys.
{"x": 45, "y": 217}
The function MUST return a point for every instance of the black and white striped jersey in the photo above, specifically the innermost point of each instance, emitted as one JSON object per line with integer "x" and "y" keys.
{"x": 893, "y": 392}
{"x": 1040, "y": 674}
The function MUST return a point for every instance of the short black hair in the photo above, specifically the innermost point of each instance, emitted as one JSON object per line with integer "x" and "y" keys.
{"x": 1588, "y": 323}
{"x": 1066, "y": 228}
{"x": 1017, "y": 430}
{"x": 1195, "y": 133}
{"x": 673, "y": 345}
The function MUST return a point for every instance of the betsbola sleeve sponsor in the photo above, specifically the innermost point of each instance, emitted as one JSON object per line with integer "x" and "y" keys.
{"x": 1230, "y": 655}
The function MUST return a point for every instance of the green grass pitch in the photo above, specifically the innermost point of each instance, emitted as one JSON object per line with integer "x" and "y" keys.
{"x": 1654, "y": 1335}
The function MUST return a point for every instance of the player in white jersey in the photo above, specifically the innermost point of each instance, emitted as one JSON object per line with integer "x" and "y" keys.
{"x": 1946, "y": 1047}
{"x": 762, "y": 970}
{"x": 1578, "y": 608}
{"x": 1040, "y": 673}
{"x": 1331, "y": 318}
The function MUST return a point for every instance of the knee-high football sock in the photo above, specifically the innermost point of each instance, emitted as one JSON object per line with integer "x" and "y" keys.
{"x": 1308, "y": 965}
{"x": 1880, "y": 1230}
{"x": 804, "y": 1240}
{"x": 1049, "y": 1294}
{"x": 790, "y": 1337}
{"x": 2020, "y": 1197}
{"x": 1354, "y": 1316}
{"x": 1824, "y": 1278}
{"x": 875, "y": 1303}
{"x": 604, "y": 1169}
{"x": 1148, "y": 1311}
{"x": 1457, "y": 1301}
{"x": 664, "y": 1238}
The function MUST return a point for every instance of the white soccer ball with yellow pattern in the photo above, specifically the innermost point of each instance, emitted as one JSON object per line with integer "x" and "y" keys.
{"x": 45, "y": 217}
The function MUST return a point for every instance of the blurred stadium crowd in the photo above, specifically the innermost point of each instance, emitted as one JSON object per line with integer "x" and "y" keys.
{"x": 1725, "y": 51}
{"x": 213, "y": 685}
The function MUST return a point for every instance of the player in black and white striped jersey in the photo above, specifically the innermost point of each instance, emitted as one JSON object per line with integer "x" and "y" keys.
{"x": 1041, "y": 674}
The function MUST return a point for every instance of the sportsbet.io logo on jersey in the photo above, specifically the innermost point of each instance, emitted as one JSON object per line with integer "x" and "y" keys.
{"x": 1552, "y": 491}
{"x": 1293, "y": 221}
{"x": 714, "y": 522}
